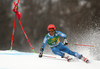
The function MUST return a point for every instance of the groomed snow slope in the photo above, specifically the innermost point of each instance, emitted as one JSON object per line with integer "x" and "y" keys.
{"x": 22, "y": 60}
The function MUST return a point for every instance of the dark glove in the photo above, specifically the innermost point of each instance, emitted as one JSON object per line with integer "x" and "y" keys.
{"x": 41, "y": 54}
{"x": 66, "y": 44}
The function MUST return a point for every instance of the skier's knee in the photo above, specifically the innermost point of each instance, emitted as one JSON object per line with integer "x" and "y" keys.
{"x": 70, "y": 52}
{"x": 77, "y": 55}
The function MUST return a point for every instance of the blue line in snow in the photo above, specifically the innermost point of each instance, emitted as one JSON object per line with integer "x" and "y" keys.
{"x": 16, "y": 53}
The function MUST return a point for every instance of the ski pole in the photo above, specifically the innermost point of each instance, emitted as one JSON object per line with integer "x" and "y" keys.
{"x": 26, "y": 36}
{"x": 81, "y": 45}
{"x": 49, "y": 56}
{"x": 13, "y": 33}
{"x": 68, "y": 59}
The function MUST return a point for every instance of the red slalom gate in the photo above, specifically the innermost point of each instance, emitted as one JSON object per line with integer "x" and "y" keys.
{"x": 18, "y": 14}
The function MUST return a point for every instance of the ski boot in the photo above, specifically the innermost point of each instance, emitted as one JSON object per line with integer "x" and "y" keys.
{"x": 68, "y": 58}
{"x": 84, "y": 59}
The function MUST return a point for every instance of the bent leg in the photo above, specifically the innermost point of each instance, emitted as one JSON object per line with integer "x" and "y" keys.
{"x": 67, "y": 50}
{"x": 56, "y": 51}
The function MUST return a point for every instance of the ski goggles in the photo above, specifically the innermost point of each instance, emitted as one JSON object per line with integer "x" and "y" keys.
{"x": 51, "y": 31}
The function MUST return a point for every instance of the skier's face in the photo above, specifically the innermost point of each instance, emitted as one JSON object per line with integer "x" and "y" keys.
{"x": 51, "y": 32}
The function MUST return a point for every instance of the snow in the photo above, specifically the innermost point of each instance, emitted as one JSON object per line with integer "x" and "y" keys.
{"x": 23, "y": 60}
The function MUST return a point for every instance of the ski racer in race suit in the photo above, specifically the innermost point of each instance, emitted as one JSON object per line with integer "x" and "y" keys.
{"x": 57, "y": 47}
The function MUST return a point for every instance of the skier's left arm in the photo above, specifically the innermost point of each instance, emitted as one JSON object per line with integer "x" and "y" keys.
{"x": 65, "y": 42}
{"x": 43, "y": 46}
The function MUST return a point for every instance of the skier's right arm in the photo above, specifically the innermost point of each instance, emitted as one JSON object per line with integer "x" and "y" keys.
{"x": 43, "y": 46}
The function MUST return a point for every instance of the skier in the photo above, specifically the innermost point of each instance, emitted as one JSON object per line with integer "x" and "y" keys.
{"x": 57, "y": 47}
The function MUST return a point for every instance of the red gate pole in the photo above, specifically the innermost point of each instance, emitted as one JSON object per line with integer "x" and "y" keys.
{"x": 26, "y": 36}
{"x": 13, "y": 33}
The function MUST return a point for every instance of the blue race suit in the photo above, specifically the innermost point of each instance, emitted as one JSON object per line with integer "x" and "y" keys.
{"x": 56, "y": 46}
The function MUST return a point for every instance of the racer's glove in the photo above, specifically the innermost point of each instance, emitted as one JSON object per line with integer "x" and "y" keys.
{"x": 41, "y": 52}
{"x": 65, "y": 42}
